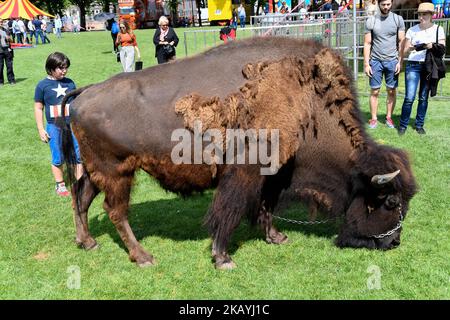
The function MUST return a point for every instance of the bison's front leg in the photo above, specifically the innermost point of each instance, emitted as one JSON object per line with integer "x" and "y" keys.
{"x": 238, "y": 193}
{"x": 116, "y": 204}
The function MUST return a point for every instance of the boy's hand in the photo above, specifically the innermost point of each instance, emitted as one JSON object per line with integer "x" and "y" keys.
{"x": 43, "y": 135}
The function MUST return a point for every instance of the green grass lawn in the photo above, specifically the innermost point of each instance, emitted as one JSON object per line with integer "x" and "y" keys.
{"x": 39, "y": 259}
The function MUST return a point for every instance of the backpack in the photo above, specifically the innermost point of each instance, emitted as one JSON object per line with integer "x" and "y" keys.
{"x": 115, "y": 28}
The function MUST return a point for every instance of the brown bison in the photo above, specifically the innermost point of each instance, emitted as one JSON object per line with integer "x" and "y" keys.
{"x": 299, "y": 88}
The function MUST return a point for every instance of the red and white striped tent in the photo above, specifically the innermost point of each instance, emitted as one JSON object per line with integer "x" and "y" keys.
{"x": 20, "y": 8}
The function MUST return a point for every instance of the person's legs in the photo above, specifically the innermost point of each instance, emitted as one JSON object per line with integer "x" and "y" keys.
{"x": 41, "y": 34}
{"x": 9, "y": 68}
{"x": 375, "y": 85}
{"x": 57, "y": 159}
{"x": 391, "y": 86}
{"x": 36, "y": 36}
{"x": 412, "y": 77}
{"x": 2, "y": 58}
{"x": 390, "y": 105}
{"x": 373, "y": 101}
{"x": 161, "y": 57}
{"x": 129, "y": 59}
{"x": 122, "y": 54}
{"x": 423, "y": 101}
{"x": 114, "y": 37}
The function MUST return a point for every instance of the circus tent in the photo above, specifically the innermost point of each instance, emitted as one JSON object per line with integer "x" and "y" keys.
{"x": 20, "y": 8}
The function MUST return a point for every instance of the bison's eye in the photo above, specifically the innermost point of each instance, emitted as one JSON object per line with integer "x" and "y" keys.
{"x": 392, "y": 201}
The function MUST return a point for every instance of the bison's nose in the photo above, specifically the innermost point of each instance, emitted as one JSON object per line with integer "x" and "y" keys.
{"x": 392, "y": 201}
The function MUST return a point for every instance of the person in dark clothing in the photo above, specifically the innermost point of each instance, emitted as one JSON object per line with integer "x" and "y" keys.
{"x": 165, "y": 38}
{"x": 6, "y": 56}
{"x": 113, "y": 26}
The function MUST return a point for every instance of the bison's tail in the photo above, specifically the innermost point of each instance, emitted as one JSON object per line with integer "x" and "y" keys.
{"x": 67, "y": 138}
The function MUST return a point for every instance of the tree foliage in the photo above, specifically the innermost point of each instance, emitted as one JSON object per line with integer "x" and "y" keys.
{"x": 51, "y": 6}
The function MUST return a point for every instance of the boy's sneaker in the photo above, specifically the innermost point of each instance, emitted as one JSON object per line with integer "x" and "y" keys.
{"x": 373, "y": 123}
{"x": 390, "y": 123}
{"x": 61, "y": 190}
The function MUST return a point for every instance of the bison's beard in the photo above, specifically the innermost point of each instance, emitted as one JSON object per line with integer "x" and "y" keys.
{"x": 353, "y": 241}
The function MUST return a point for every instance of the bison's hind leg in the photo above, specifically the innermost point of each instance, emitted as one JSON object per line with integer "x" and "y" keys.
{"x": 83, "y": 192}
{"x": 117, "y": 189}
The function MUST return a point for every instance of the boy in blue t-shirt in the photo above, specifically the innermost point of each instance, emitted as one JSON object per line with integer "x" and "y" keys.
{"x": 48, "y": 95}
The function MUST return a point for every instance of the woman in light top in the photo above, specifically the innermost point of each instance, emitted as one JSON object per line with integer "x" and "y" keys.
{"x": 420, "y": 39}
{"x": 126, "y": 39}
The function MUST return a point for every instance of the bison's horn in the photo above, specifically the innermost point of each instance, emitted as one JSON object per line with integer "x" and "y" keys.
{"x": 380, "y": 179}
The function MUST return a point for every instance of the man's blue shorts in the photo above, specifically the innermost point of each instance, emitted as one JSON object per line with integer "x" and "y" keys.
{"x": 56, "y": 145}
{"x": 383, "y": 67}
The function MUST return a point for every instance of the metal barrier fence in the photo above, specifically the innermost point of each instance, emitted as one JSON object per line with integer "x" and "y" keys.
{"x": 336, "y": 33}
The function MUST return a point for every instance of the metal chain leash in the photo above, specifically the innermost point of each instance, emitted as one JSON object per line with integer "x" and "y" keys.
{"x": 303, "y": 222}
{"x": 377, "y": 236}
{"x": 398, "y": 226}
{"x": 389, "y": 233}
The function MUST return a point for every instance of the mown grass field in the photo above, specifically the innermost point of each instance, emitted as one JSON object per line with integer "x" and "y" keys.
{"x": 39, "y": 259}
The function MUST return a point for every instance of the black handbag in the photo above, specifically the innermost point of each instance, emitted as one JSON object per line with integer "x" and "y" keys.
{"x": 168, "y": 50}
{"x": 118, "y": 56}
{"x": 138, "y": 65}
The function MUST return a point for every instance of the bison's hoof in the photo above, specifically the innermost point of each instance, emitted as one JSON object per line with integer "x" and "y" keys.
{"x": 142, "y": 258}
{"x": 89, "y": 244}
{"x": 146, "y": 264}
{"x": 224, "y": 262}
{"x": 226, "y": 265}
{"x": 277, "y": 238}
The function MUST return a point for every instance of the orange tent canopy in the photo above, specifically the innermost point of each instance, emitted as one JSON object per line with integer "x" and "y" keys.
{"x": 20, "y": 8}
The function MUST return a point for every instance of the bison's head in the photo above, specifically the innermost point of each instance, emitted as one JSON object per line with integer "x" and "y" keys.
{"x": 379, "y": 201}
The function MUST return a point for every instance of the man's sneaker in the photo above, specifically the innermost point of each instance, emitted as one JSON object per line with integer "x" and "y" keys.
{"x": 373, "y": 123}
{"x": 401, "y": 131}
{"x": 61, "y": 190}
{"x": 390, "y": 123}
{"x": 420, "y": 130}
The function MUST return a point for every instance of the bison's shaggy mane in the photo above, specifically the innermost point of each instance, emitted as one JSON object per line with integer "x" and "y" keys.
{"x": 311, "y": 85}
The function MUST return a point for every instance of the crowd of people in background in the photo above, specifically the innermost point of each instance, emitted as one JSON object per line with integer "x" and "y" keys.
{"x": 24, "y": 31}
